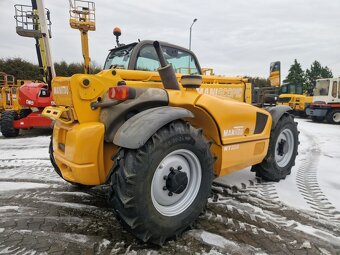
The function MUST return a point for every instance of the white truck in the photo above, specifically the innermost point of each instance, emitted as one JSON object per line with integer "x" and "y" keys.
{"x": 326, "y": 101}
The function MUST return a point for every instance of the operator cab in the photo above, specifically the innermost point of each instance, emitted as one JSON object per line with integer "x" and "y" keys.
{"x": 290, "y": 88}
{"x": 327, "y": 90}
{"x": 142, "y": 56}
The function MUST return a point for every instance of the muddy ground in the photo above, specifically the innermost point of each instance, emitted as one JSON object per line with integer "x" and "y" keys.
{"x": 42, "y": 214}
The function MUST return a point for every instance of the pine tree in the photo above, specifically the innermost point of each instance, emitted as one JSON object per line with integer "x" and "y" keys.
{"x": 295, "y": 74}
{"x": 24, "y": 70}
{"x": 315, "y": 72}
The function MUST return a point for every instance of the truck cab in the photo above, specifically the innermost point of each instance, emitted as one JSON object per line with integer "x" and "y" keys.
{"x": 326, "y": 101}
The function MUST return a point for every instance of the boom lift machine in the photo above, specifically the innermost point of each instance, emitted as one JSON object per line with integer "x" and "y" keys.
{"x": 326, "y": 101}
{"x": 8, "y": 93}
{"x": 83, "y": 18}
{"x": 158, "y": 143}
{"x": 32, "y": 21}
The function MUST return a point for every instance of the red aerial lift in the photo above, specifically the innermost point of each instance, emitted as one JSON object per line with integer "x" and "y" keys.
{"x": 32, "y": 21}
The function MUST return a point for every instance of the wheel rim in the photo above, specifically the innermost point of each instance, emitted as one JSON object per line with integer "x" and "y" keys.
{"x": 174, "y": 204}
{"x": 336, "y": 117}
{"x": 284, "y": 147}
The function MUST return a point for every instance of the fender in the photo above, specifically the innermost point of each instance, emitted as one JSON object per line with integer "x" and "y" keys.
{"x": 134, "y": 133}
{"x": 277, "y": 111}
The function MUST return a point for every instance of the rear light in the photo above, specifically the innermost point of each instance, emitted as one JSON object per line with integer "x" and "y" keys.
{"x": 122, "y": 93}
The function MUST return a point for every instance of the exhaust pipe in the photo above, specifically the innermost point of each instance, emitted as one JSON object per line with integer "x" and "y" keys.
{"x": 166, "y": 70}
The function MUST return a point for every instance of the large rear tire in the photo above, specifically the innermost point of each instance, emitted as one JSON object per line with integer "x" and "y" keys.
{"x": 161, "y": 188}
{"x": 282, "y": 151}
{"x": 333, "y": 116}
{"x": 6, "y": 122}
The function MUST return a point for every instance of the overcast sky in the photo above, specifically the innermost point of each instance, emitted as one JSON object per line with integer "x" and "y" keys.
{"x": 234, "y": 37}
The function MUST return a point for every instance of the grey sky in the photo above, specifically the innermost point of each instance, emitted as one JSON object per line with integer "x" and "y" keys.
{"x": 233, "y": 37}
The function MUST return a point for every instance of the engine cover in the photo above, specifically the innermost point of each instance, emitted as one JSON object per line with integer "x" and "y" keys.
{"x": 34, "y": 95}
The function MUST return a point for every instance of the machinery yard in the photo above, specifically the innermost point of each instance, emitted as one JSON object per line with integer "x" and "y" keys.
{"x": 301, "y": 215}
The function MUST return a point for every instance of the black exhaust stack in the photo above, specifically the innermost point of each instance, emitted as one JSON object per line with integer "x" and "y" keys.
{"x": 166, "y": 71}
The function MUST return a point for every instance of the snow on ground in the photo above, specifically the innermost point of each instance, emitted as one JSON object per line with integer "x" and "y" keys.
{"x": 10, "y": 186}
{"x": 30, "y": 145}
{"x": 41, "y": 213}
{"x": 320, "y": 149}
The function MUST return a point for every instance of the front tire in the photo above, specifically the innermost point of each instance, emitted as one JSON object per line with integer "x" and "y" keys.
{"x": 161, "y": 188}
{"x": 7, "y": 128}
{"x": 282, "y": 151}
{"x": 333, "y": 116}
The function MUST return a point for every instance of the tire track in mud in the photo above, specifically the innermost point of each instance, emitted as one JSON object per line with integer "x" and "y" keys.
{"x": 250, "y": 219}
{"x": 66, "y": 220}
{"x": 307, "y": 183}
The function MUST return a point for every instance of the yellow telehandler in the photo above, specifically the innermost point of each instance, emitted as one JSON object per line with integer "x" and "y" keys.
{"x": 293, "y": 96}
{"x": 157, "y": 142}
{"x": 160, "y": 144}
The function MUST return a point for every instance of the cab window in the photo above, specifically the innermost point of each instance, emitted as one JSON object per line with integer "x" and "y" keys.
{"x": 182, "y": 62}
{"x": 321, "y": 88}
{"x": 119, "y": 58}
{"x": 299, "y": 89}
{"x": 284, "y": 89}
{"x": 292, "y": 88}
{"x": 335, "y": 85}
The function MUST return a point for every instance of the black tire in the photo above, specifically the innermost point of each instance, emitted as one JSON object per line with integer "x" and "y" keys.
{"x": 305, "y": 112}
{"x": 317, "y": 118}
{"x": 333, "y": 116}
{"x": 23, "y": 113}
{"x": 278, "y": 164}
{"x": 131, "y": 194}
{"x": 54, "y": 164}
{"x": 57, "y": 170}
{"x": 302, "y": 114}
{"x": 6, "y": 122}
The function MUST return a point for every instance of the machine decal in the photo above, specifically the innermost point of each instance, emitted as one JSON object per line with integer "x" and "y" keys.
{"x": 61, "y": 90}
{"x": 29, "y": 102}
{"x": 224, "y": 92}
{"x": 235, "y": 131}
{"x": 231, "y": 147}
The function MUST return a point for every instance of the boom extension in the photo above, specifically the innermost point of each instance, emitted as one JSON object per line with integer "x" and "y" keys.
{"x": 32, "y": 21}
{"x": 82, "y": 17}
